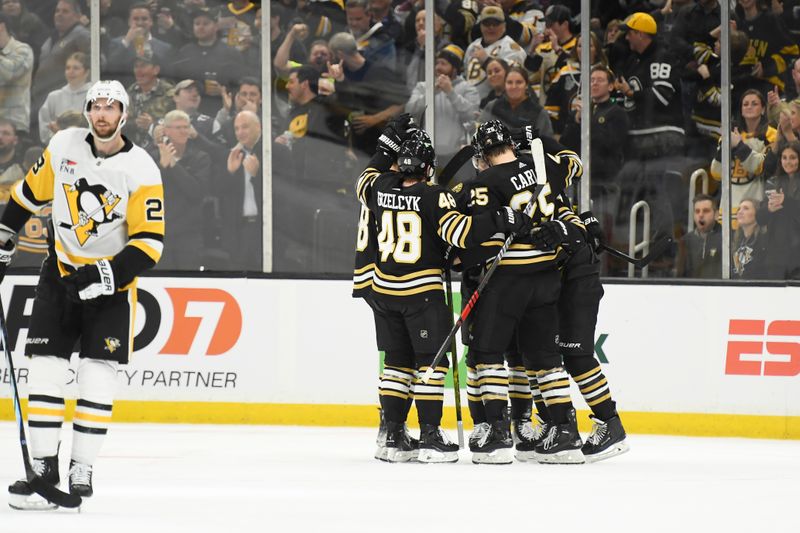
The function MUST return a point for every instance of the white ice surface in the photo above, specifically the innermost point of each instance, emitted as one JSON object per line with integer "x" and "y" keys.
{"x": 174, "y": 478}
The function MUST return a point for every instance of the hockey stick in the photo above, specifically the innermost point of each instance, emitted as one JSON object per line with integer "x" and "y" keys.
{"x": 455, "y": 164}
{"x": 658, "y": 249}
{"x": 454, "y": 350}
{"x": 541, "y": 178}
{"x": 44, "y": 489}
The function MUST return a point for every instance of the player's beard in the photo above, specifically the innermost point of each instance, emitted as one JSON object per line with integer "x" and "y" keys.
{"x": 105, "y": 129}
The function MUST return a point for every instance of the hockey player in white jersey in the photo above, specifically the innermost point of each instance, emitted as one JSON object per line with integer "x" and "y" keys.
{"x": 107, "y": 228}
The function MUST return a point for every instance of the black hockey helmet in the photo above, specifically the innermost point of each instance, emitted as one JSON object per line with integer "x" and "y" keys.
{"x": 416, "y": 155}
{"x": 491, "y": 134}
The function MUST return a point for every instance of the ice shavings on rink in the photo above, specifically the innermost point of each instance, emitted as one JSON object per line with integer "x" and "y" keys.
{"x": 276, "y": 479}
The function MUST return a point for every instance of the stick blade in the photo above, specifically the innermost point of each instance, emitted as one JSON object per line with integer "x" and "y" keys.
{"x": 657, "y": 251}
{"x": 53, "y": 494}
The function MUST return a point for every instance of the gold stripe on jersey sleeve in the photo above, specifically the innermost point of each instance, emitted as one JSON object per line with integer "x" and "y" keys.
{"x": 151, "y": 252}
{"x": 531, "y": 261}
{"x": 365, "y": 180}
{"x": 362, "y": 285}
{"x": 145, "y": 212}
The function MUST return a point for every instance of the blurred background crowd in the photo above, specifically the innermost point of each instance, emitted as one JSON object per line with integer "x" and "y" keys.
{"x": 340, "y": 69}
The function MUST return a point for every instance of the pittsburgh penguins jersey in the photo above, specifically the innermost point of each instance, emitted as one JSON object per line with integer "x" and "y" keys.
{"x": 513, "y": 184}
{"x": 366, "y": 249}
{"x": 102, "y": 208}
{"x": 415, "y": 224}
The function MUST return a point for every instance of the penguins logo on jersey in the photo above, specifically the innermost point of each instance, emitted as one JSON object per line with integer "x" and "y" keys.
{"x": 89, "y": 207}
{"x": 112, "y": 343}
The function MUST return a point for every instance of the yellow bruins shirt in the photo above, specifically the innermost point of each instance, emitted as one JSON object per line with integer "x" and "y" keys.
{"x": 100, "y": 205}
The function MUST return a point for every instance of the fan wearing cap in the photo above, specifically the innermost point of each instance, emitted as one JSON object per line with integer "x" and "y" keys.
{"x": 493, "y": 43}
{"x": 552, "y": 55}
{"x": 107, "y": 228}
{"x": 650, "y": 83}
{"x": 455, "y": 100}
{"x": 151, "y": 98}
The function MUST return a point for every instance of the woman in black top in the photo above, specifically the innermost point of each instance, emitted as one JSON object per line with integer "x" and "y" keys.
{"x": 516, "y": 108}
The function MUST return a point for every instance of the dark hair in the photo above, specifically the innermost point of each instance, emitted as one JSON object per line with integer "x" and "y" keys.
{"x": 791, "y": 145}
{"x": 309, "y": 74}
{"x": 503, "y": 63}
{"x": 703, "y": 198}
{"x": 763, "y": 124}
{"x": 606, "y": 69}
{"x": 600, "y": 55}
{"x": 74, "y": 4}
{"x": 6, "y": 122}
{"x": 139, "y": 5}
{"x": 81, "y": 58}
{"x": 249, "y": 80}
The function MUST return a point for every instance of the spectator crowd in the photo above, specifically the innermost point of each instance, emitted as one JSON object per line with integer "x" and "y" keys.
{"x": 340, "y": 69}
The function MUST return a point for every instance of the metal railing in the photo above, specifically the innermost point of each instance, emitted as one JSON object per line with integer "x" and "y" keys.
{"x": 644, "y": 245}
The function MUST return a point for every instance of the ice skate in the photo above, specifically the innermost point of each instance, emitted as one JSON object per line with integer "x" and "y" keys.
{"x": 606, "y": 440}
{"x": 561, "y": 445}
{"x": 80, "y": 479}
{"x": 381, "y": 452}
{"x": 400, "y": 447}
{"x": 20, "y": 494}
{"x": 435, "y": 446}
{"x": 528, "y": 436}
{"x": 496, "y": 446}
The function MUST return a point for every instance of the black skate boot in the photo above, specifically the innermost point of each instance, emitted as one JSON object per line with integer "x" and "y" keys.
{"x": 479, "y": 433}
{"x": 400, "y": 447}
{"x": 606, "y": 440}
{"x": 560, "y": 445}
{"x": 435, "y": 446}
{"x": 20, "y": 494}
{"x": 80, "y": 479}
{"x": 496, "y": 448}
{"x": 529, "y": 436}
{"x": 381, "y": 451}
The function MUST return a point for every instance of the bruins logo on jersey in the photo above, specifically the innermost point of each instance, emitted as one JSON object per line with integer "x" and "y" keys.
{"x": 89, "y": 207}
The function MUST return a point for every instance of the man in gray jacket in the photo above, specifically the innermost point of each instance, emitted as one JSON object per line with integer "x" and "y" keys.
{"x": 456, "y": 103}
{"x": 16, "y": 66}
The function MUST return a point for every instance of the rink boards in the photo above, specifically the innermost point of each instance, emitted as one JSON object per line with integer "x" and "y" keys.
{"x": 680, "y": 359}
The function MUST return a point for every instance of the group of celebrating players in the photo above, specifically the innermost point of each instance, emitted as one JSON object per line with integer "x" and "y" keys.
{"x": 533, "y": 325}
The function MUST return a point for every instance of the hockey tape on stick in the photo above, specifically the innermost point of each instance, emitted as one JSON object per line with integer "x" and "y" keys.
{"x": 541, "y": 174}
{"x": 39, "y": 485}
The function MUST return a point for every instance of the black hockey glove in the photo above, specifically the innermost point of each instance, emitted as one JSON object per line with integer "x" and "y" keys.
{"x": 7, "y": 250}
{"x": 592, "y": 225}
{"x": 91, "y": 281}
{"x": 549, "y": 235}
{"x": 509, "y": 221}
{"x": 523, "y": 136}
{"x": 395, "y": 133}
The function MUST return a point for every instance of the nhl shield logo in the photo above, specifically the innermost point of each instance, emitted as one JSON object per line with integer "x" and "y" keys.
{"x": 89, "y": 207}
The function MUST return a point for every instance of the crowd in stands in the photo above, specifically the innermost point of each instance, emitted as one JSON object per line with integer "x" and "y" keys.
{"x": 340, "y": 69}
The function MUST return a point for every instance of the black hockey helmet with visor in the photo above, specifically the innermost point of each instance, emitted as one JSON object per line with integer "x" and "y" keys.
{"x": 416, "y": 155}
{"x": 491, "y": 134}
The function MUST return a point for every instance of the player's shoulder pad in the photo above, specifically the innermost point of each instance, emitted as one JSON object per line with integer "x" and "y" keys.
{"x": 68, "y": 139}
{"x": 144, "y": 171}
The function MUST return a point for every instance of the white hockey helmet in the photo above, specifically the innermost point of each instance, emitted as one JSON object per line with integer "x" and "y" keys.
{"x": 114, "y": 91}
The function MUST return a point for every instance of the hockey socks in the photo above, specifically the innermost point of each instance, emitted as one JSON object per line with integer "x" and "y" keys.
{"x": 97, "y": 384}
{"x": 493, "y": 385}
{"x": 519, "y": 392}
{"x": 591, "y": 381}
{"x": 395, "y": 392}
{"x": 474, "y": 402}
{"x": 538, "y": 401}
{"x": 47, "y": 379}
{"x": 554, "y": 387}
{"x": 429, "y": 397}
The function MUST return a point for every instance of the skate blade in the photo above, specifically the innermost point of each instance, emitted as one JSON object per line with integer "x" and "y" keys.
{"x": 33, "y": 502}
{"x": 617, "y": 449}
{"x": 503, "y": 456}
{"x": 394, "y": 456}
{"x": 382, "y": 453}
{"x": 567, "y": 457}
{"x": 435, "y": 456}
{"x": 525, "y": 456}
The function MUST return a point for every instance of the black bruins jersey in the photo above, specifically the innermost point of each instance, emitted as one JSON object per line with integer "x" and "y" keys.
{"x": 513, "y": 184}
{"x": 366, "y": 248}
{"x": 415, "y": 226}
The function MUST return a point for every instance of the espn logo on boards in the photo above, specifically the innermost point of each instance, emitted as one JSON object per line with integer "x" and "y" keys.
{"x": 747, "y": 340}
